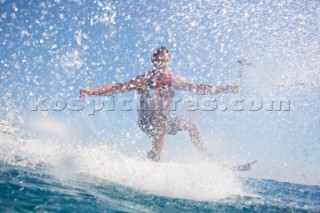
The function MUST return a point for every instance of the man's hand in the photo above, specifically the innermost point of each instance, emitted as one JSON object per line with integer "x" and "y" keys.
{"x": 85, "y": 92}
{"x": 232, "y": 89}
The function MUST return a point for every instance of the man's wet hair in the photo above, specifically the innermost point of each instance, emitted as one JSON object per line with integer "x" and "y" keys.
{"x": 162, "y": 49}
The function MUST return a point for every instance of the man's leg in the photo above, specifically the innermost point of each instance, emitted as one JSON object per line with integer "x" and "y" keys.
{"x": 184, "y": 124}
{"x": 158, "y": 133}
{"x": 157, "y": 145}
{"x": 195, "y": 134}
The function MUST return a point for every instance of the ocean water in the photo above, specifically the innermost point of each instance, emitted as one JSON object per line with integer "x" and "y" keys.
{"x": 49, "y": 176}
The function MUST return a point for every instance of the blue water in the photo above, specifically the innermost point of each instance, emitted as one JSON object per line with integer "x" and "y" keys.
{"x": 24, "y": 189}
{"x": 45, "y": 175}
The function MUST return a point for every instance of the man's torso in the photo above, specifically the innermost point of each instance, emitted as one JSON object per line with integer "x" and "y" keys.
{"x": 156, "y": 96}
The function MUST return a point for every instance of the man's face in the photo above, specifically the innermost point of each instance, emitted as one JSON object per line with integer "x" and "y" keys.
{"x": 161, "y": 60}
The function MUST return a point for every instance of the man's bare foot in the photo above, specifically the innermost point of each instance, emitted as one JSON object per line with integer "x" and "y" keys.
{"x": 154, "y": 156}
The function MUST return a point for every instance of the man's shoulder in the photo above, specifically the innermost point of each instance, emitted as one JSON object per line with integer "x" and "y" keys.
{"x": 143, "y": 75}
{"x": 147, "y": 73}
{"x": 178, "y": 77}
{"x": 150, "y": 73}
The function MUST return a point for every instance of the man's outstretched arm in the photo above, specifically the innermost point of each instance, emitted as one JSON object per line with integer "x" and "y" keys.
{"x": 112, "y": 89}
{"x": 180, "y": 83}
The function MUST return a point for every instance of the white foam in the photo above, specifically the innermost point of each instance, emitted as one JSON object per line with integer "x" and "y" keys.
{"x": 197, "y": 180}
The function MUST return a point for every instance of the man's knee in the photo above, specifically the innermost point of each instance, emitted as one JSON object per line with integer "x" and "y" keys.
{"x": 189, "y": 125}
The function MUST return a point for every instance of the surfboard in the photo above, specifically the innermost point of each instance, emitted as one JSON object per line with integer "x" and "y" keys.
{"x": 240, "y": 167}
{"x": 245, "y": 166}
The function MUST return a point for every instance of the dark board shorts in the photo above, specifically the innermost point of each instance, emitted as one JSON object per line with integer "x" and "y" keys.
{"x": 152, "y": 123}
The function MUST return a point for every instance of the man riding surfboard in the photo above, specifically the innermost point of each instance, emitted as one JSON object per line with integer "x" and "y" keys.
{"x": 156, "y": 88}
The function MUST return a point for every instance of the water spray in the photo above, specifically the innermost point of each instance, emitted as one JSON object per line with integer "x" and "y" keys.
{"x": 243, "y": 62}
